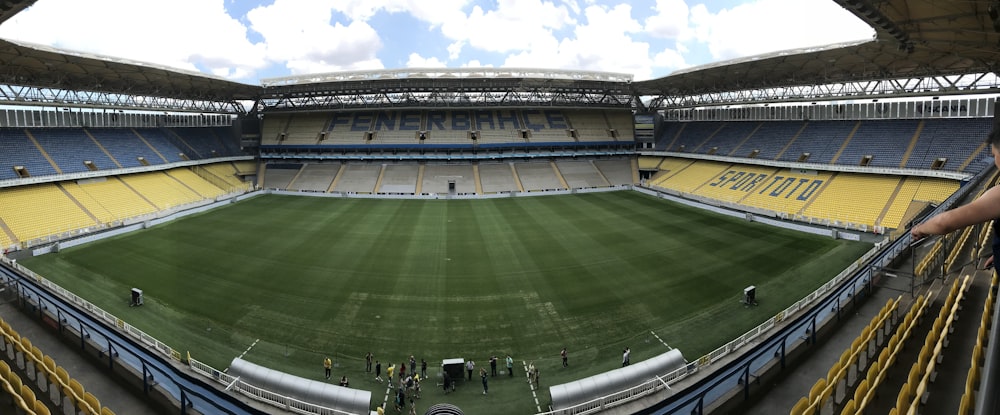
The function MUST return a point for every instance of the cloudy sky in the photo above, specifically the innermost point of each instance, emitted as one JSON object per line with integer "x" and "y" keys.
{"x": 248, "y": 40}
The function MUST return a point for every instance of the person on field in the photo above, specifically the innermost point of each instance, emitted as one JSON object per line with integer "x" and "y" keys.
{"x": 482, "y": 374}
{"x": 378, "y": 371}
{"x": 327, "y": 366}
{"x": 510, "y": 365}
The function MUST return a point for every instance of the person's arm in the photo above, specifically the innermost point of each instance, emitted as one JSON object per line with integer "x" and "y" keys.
{"x": 980, "y": 210}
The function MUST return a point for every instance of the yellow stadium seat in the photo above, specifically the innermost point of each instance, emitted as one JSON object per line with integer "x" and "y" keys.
{"x": 91, "y": 400}
{"x": 15, "y": 383}
{"x": 973, "y": 379}
{"x": 817, "y": 389}
{"x": 106, "y": 411}
{"x": 37, "y": 356}
{"x": 861, "y": 391}
{"x": 966, "y": 406}
{"x": 25, "y": 346}
{"x": 63, "y": 376}
{"x": 69, "y": 394}
{"x": 28, "y": 395}
{"x": 4, "y": 370}
{"x": 41, "y": 409}
{"x": 824, "y": 400}
{"x": 904, "y": 398}
{"x": 833, "y": 375}
{"x": 883, "y": 358}
{"x": 800, "y": 406}
{"x": 50, "y": 368}
{"x": 76, "y": 389}
{"x": 872, "y": 375}
{"x": 850, "y": 408}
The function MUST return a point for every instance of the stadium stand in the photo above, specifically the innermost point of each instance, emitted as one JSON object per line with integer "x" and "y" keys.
{"x": 436, "y": 177}
{"x": 649, "y": 162}
{"x": 125, "y": 147}
{"x": 693, "y": 177}
{"x": 693, "y": 135}
{"x": 32, "y": 212}
{"x": 202, "y": 142}
{"x": 579, "y": 174}
{"x": 728, "y": 138}
{"x": 162, "y": 190}
{"x": 497, "y": 178}
{"x": 51, "y": 381}
{"x": 915, "y": 144}
{"x": 70, "y": 148}
{"x": 188, "y": 179}
{"x": 157, "y": 140}
{"x": 358, "y": 178}
{"x": 821, "y": 139}
{"x": 884, "y": 141}
{"x": 537, "y": 176}
{"x": 244, "y": 168}
{"x": 305, "y": 128}
{"x": 279, "y": 176}
{"x": 768, "y": 140}
{"x": 398, "y": 178}
{"x": 737, "y": 182}
{"x": 108, "y": 199}
{"x": 955, "y": 140}
{"x": 223, "y": 175}
{"x": 315, "y": 177}
{"x": 617, "y": 172}
{"x": 19, "y": 151}
{"x": 853, "y": 199}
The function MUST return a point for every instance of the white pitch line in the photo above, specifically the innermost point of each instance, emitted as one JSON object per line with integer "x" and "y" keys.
{"x": 248, "y": 348}
{"x": 661, "y": 340}
{"x": 533, "y": 395}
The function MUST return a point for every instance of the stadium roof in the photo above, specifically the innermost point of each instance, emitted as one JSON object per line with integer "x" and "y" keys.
{"x": 914, "y": 38}
{"x": 34, "y": 65}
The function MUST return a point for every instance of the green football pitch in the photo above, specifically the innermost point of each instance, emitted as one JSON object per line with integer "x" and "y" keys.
{"x": 285, "y": 281}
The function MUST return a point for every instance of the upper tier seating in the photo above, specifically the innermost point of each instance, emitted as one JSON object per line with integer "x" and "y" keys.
{"x": 51, "y": 151}
{"x": 446, "y": 127}
{"x": 914, "y": 144}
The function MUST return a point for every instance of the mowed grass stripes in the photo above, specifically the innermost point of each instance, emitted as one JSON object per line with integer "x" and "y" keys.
{"x": 311, "y": 277}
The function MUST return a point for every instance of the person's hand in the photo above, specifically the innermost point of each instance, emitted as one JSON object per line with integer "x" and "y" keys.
{"x": 988, "y": 263}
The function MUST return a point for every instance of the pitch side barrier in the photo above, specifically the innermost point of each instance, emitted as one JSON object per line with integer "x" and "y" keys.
{"x": 98, "y": 334}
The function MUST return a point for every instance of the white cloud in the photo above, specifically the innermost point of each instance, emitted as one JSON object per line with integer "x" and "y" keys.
{"x": 603, "y": 43}
{"x": 417, "y": 61}
{"x": 770, "y": 25}
{"x": 171, "y": 34}
{"x": 455, "y": 49}
{"x": 299, "y": 34}
{"x": 670, "y": 20}
{"x": 522, "y": 23}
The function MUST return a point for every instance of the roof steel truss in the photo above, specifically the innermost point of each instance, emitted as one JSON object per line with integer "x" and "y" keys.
{"x": 883, "y": 88}
{"x": 30, "y": 95}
